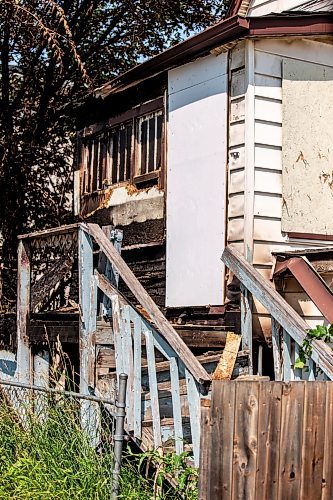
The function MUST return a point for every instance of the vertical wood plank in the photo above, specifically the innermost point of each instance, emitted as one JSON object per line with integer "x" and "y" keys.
{"x": 327, "y": 479}
{"x": 313, "y": 440}
{"x": 245, "y": 440}
{"x": 276, "y": 345}
{"x": 312, "y": 370}
{"x": 24, "y": 368}
{"x": 128, "y": 355}
{"x": 137, "y": 375}
{"x": 291, "y": 440}
{"x": 176, "y": 405}
{"x": 269, "y": 420}
{"x": 117, "y": 327}
{"x": 205, "y": 448}
{"x": 193, "y": 396}
{"x": 222, "y": 432}
{"x": 41, "y": 379}
{"x": 86, "y": 282}
{"x": 287, "y": 361}
{"x": 246, "y": 324}
{"x": 41, "y": 368}
{"x": 297, "y": 371}
{"x": 155, "y": 410}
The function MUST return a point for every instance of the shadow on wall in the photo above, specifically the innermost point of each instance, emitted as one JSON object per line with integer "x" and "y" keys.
{"x": 7, "y": 365}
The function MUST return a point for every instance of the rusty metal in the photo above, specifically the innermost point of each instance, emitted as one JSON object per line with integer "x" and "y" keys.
{"x": 312, "y": 283}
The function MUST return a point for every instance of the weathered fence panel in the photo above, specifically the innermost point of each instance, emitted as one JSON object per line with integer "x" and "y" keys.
{"x": 267, "y": 440}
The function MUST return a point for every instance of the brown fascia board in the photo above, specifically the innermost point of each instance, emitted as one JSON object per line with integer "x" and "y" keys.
{"x": 291, "y": 25}
{"x": 229, "y": 30}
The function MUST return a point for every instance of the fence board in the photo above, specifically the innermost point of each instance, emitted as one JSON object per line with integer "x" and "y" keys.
{"x": 268, "y": 441}
{"x": 327, "y": 480}
{"x": 269, "y": 420}
{"x": 245, "y": 440}
{"x": 291, "y": 440}
{"x": 313, "y": 440}
{"x": 222, "y": 416}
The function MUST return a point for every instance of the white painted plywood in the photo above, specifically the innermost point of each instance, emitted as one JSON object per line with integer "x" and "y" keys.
{"x": 307, "y": 148}
{"x": 196, "y": 174}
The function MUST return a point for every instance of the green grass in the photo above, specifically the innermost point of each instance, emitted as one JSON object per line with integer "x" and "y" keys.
{"x": 52, "y": 459}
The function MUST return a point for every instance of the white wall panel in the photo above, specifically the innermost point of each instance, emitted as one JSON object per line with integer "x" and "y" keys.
{"x": 196, "y": 174}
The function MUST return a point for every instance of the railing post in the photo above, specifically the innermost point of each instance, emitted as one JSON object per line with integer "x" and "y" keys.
{"x": 276, "y": 346}
{"x": 118, "y": 437}
{"x": 246, "y": 324}
{"x": 24, "y": 361}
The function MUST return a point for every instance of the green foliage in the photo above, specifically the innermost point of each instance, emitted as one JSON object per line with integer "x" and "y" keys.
{"x": 161, "y": 477}
{"x": 53, "y": 460}
{"x": 50, "y": 460}
{"x": 324, "y": 333}
{"x": 53, "y": 53}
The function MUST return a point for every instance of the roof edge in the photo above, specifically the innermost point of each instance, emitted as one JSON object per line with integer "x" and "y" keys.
{"x": 224, "y": 31}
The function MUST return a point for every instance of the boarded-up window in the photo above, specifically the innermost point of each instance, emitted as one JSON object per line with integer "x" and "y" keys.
{"x": 149, "y": 142}
{"x": 307, "y": 148}
{"x": 111, "y": 158}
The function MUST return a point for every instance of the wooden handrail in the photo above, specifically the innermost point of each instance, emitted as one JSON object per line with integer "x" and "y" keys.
{"x": 277, "y": 306}
{"x": 160, "y": 322}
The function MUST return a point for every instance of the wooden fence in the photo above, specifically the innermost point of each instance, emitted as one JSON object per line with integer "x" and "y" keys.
{"x": 267, "y": 440}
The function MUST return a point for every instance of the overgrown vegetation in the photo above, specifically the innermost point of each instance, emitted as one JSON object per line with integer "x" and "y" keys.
{"x": 52, "y": 54}
{"x": 321, "y": 332}
{"x": 50, "y": 458}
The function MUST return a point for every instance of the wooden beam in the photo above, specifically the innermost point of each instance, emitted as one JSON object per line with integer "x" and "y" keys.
{"x": 284, "y": 314}
{"x": 24, "y": 361}
{"x": 69, "y": 228}
{"x": 160, "y": 322}
{"x": 87, "y": 323}
{"x": 225, "y": 366}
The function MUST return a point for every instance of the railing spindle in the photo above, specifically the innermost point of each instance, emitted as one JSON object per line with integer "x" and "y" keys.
{"x": 176, "y": 405}
{"x": 155, "y": 409}
{"x": 287, "y": 363}
{"x": 128, "y": 364}
{"x": 193, "y": 396}
{"x": 137, "y": 375}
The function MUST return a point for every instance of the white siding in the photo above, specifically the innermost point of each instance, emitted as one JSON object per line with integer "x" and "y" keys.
{"x": 268, "y": 201}
{"x": 196, "y": 174}
{"x": 264, "y": 7}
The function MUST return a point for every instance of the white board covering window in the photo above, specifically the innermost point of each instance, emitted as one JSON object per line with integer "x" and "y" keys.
{"x": 196, "y": 172}
{"x": 307, "y": 148}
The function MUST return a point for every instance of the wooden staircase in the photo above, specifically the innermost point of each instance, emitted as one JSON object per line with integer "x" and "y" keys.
{"x": 166, "y": 380}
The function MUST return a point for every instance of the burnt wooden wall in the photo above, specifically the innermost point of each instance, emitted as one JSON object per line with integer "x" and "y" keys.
{"x": 267, "y": 440}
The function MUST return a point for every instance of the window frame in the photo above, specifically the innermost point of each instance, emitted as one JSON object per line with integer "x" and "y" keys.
{"x": 88, "y": 136}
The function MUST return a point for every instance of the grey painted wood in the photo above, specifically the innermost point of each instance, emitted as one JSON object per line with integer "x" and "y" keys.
{"x": 155, "y": 410}
{"x": 117, "y": 327}
{"x": 246, "y": 324}
{"x": 176, "y": 406}
{"x": 288, "y": 374}
{"x": 86, "y": 297}
{"x": 24, "y": 368}
{"x": 277, "y": 307}
{"x": 137, "y": 375}
{"x": 128, "y": 363}
{"x": 312, "y": 370}
{"x": 162, "y": 324}
{"x": 276, "y": 345}
{"x": 193, "y": 394}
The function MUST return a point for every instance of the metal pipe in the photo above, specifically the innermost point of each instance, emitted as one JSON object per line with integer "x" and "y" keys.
{"x": 118, "y": 437}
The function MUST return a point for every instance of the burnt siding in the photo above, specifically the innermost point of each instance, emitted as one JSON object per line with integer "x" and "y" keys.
{"x": 148, "y": 265}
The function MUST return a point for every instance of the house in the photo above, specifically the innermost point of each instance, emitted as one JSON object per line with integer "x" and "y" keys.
{"x": 223, "y": 139}
{"x": 220, "y": 146}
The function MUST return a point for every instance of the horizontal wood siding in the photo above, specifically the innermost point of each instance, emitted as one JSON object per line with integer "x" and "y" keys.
{"x": 236, "y": 146}
{"x": 267, "y": 232}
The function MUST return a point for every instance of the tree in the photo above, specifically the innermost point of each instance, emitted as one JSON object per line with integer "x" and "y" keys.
{"x": 53, "y": 53}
